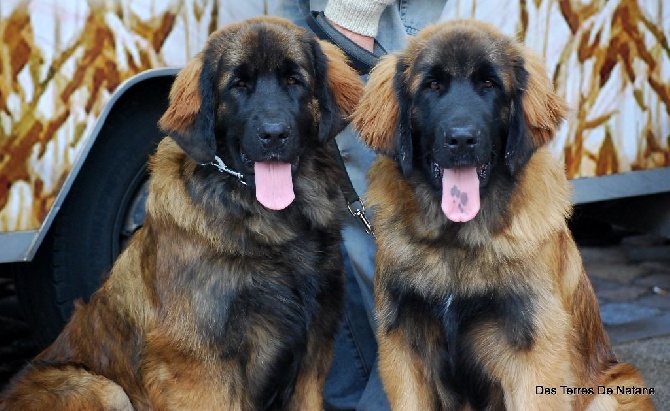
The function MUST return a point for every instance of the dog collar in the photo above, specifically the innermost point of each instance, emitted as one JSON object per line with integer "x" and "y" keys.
{"x": 223, "y": 168}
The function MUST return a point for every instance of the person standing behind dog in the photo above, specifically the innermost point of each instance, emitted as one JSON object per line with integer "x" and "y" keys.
{"x": 378, "y": 27}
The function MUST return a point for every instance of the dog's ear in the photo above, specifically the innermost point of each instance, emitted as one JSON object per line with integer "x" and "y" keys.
{"x": 376, "y": 117}
{"x": 383, "y": 116}
{"x": 338, "y": 88}
{"x": 543, "y": 108}
{"x": 404, "y": 153}
{"x": 536, "y": 112}
{"x": 189, "y": 118}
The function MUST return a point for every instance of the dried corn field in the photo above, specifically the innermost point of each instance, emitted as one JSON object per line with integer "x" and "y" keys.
{"x": 61, "y": 61}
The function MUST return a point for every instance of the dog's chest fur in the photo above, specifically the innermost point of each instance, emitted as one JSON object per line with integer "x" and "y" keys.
{"x": 449, "y": 327}
{"x": 254, "y": 283}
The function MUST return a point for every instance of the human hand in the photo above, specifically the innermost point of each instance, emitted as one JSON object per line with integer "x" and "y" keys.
{"x": 366, "y": 42}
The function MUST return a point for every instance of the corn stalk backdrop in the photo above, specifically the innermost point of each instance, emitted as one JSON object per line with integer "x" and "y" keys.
{"x": 60, "y": 61}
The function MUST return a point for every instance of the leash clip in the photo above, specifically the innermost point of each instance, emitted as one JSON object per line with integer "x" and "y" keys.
{"x": 358, "y": 211}
{"x": 222, "y": 167}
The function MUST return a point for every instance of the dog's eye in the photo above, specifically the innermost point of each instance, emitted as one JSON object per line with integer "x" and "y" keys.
{"x": 239, "y": 83}
{"x": 433, "y": 85}
{"x": 291, "y": 80}
{"x": 488, "y": 84}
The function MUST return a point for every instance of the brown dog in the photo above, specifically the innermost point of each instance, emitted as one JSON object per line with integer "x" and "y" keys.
{"x": 230, "y": 295}
{"x": 482, "y": 301}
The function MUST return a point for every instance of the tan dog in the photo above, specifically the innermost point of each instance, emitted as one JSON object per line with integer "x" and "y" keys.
{"x": 482, "y": 301}
{"x": 230, "y": 295}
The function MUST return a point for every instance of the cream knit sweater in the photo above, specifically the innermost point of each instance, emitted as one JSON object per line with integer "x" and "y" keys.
{"x": 359, "y": 16}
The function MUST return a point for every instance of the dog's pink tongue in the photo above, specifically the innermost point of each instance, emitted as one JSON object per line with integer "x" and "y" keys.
{"x": 460, "y": 193}
{"x": 274, "y": 184}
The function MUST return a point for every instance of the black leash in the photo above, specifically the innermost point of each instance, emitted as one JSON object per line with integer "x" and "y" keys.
{"x": 363, "y": 61}
{"x": 354, "y": 203}
{"x": 359, "y": 58}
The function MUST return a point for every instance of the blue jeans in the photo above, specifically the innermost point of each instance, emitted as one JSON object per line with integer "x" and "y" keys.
{"x": 353, "y": 381}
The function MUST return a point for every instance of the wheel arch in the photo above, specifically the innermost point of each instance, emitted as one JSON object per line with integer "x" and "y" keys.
{"x": 151, "y": 87}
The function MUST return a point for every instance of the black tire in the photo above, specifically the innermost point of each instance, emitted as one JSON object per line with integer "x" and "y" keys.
{"x": 104, "y": 206}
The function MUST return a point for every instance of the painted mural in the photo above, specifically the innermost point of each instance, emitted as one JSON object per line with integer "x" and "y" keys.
{"x": 60, "y": 61}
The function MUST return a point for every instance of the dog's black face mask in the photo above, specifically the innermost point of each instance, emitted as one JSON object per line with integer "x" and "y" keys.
{"x": 264, "y": 125}
{"x": 461, "y": 113}
{"x": 261, "y": 116}
{"x": 457, "y": 133}
{"x": 265, "y": 116}
{"x": 266, "y": 98}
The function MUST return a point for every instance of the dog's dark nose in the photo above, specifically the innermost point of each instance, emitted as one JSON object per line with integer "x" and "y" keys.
{"x": 461, "y": 138}
{"x": 273, "y": 133}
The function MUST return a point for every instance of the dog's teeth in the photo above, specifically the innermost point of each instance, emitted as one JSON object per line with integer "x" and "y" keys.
{"x": 437, "y": 170}
{"x": 482, "y": 171}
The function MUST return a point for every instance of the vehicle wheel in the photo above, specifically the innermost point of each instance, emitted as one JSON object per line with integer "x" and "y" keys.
{"x": 103, "y": 208}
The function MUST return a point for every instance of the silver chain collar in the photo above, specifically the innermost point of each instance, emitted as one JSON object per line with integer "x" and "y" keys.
{"x": 222, "y": 167}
